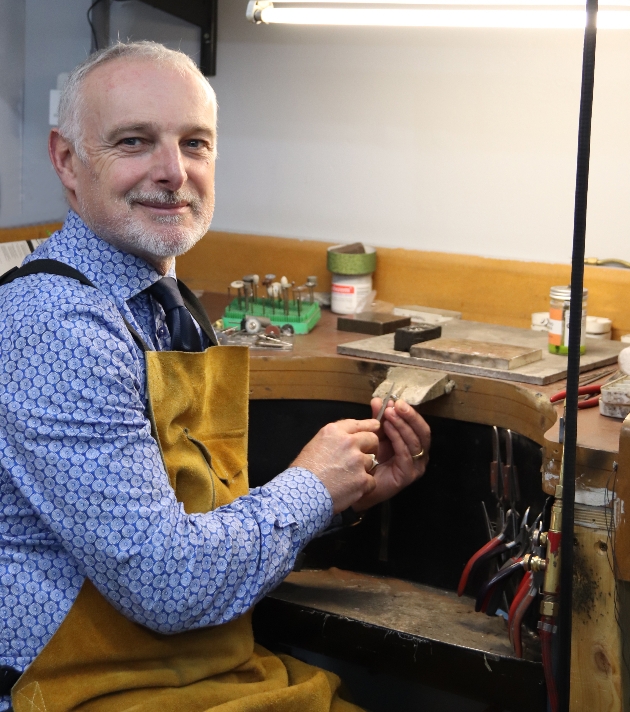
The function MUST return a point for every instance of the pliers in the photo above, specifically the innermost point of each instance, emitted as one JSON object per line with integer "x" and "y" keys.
{"x": 525, "y": 595}
{"x": 486, "y": 552}
{"x": 504, "y": 477}
{"x": 523, "y": 541}
{"x": 593, "y": 388}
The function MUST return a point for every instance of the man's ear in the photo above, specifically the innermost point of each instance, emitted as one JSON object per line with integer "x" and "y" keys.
{"x": 61, "y": 154}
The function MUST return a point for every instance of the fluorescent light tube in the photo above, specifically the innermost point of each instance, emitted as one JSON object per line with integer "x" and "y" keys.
{"x": 455, "y": 15}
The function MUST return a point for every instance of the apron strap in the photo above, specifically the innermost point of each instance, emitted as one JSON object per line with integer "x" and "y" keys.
{"x": 63, "y": 270}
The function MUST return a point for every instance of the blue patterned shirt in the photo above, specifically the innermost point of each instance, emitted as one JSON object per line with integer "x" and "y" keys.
{"x": 83, "y": 490}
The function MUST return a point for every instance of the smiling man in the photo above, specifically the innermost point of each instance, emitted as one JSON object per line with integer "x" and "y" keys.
{"x": 131, "y": 548}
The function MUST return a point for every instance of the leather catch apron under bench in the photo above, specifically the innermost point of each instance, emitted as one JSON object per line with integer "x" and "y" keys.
{"x": 100, "y": 661}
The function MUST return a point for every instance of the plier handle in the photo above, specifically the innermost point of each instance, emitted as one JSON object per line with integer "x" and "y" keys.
{"x": 485, "y": 594}
{"x": 593, "y": 388}
{"x": 486, "y": 552}
{"x": 525, "y": 596}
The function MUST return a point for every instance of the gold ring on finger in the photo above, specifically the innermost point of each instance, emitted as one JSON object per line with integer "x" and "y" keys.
{"x": 419, "y": 455}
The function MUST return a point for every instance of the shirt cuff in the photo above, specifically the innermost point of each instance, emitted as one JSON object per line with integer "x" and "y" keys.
{"x": 307, "y": 501}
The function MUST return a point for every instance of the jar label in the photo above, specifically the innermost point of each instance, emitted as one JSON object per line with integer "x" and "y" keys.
{"x": 342, "y": 289}
{"x": 559, "y": 327}
{"x": 555, "y": 331}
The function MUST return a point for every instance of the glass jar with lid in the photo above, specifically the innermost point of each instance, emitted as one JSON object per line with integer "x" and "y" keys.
{"x": 559, "y": 313}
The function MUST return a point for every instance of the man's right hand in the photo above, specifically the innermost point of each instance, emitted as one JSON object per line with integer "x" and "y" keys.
{"x": 340, "y": 455}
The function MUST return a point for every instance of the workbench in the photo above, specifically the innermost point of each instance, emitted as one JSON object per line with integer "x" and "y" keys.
{"x": 424, "y": 632}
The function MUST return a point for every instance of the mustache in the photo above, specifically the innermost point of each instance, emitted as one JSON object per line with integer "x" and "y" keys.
{"x": 164, "y": 197}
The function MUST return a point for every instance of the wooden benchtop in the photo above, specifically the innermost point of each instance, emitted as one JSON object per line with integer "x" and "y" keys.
{"x": 528, "y": 405}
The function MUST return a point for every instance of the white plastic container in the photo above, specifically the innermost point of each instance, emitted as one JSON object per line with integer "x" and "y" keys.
{"x": 349, "y": 292}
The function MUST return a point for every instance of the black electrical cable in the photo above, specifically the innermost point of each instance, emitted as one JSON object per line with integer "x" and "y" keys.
{"x": 95, "y": 46}
{"x": 91, "y": 24}
{"x": 573, "y": 369}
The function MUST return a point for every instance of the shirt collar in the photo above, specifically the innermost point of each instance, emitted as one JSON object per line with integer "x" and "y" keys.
{"x": 116, "y": 273}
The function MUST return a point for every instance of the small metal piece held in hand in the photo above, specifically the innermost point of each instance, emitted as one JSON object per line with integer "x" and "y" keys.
{"x": 385, "y": 402}
{"x": 374, "y": 464}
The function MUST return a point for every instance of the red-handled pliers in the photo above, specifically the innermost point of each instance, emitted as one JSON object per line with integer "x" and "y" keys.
{"x": 483, "y": 554}
{"x": 525, "y": 596}
{"x": 582, "y": 390}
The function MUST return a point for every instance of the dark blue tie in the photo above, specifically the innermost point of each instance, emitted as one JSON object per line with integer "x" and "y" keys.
{"x": 181, "y": 327}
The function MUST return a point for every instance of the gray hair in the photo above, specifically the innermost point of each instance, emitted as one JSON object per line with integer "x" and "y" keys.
{"x": 72, "y": 101}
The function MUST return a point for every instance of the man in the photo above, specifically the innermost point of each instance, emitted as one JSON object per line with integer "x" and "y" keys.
{"x": 131, "y": 547}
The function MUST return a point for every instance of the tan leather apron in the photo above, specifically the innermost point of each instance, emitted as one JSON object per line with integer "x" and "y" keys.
{"x": 98, "y": 660}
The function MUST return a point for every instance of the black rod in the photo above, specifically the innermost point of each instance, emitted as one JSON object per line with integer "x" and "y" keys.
{"x": 573, "y": 370}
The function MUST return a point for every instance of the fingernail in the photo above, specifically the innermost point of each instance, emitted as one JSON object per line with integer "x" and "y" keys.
{"x": 404, "y": 408}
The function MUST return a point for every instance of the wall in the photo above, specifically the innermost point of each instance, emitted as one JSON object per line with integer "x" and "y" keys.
{"x": 433, "y": 139}
{"x": 133, "y": 20}
{"x": 38, "y": 40}
{"x": 57, "y": 39}
{"x": 12, "y": 23}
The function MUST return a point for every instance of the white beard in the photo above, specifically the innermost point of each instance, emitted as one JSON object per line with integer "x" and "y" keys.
{"x": 130, "y": 233}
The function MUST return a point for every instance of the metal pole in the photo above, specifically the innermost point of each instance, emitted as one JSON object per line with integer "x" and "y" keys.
{"x": 567, "y": 493}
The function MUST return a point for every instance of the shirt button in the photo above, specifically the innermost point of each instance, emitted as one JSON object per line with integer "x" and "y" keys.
{"x": 161, "y": 331}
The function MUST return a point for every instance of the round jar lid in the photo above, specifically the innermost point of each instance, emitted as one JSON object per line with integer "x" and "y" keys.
{"x": 348, "y": 263}
{"x": 564, "y": 293}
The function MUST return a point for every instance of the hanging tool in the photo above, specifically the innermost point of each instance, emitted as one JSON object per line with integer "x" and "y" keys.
{"x": 496, "y": 473}
{"x": 511, "y": 487}
{"x": 486, "y": 549}
{"x": 527, "y": 593}
{"x": 518, "y": 547}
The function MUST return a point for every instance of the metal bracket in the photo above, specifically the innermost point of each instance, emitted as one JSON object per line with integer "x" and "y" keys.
{"x": 202, "y": 13}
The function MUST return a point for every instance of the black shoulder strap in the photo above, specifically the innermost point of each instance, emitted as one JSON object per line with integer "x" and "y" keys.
{"x": 46, "y": 266}
{"x": 63, "y": 270}
{"x": 196, "y": 308}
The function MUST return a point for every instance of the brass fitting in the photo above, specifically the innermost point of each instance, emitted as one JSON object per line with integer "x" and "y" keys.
{"x": 534, "y": 563}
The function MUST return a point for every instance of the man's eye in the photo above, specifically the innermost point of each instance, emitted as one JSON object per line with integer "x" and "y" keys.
{"x": 195, "y": 143}
{"x": 131, "y": 141}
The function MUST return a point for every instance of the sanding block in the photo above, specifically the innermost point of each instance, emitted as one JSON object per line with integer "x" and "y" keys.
{"x": 375, "y": 323}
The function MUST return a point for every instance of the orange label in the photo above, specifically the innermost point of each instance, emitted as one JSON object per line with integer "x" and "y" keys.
{"x": 342, "y": 289}
{"x": 555, "y": 339}
{"x": 556, "y": 314}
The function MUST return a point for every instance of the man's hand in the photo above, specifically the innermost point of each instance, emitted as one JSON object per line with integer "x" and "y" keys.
{"x": 404, "y": 434}
{"x": 340, "y": 455}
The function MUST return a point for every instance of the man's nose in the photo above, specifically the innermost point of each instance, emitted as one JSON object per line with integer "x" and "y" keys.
{"x": 168, "y": 168}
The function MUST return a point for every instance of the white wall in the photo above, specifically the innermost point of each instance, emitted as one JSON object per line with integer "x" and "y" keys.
{"x": 451, "y": 140}
{"x": 434, "y": 139}
{"x": 38, "y": 40}
{"x": 11, "y": 108}
{"x": 57, "y": 39}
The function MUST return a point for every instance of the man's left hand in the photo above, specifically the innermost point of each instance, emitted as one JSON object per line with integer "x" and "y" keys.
{"x": 403, "y": 434}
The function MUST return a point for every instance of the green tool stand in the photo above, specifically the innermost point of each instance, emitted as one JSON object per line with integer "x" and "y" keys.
{"x": 310, "y": 313}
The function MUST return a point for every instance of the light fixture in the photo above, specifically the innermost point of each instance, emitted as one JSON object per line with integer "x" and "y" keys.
{"x": 526, "y": 14}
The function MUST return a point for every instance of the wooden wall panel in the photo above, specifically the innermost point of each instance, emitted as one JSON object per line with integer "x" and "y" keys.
{"x": 483, "y": 289}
